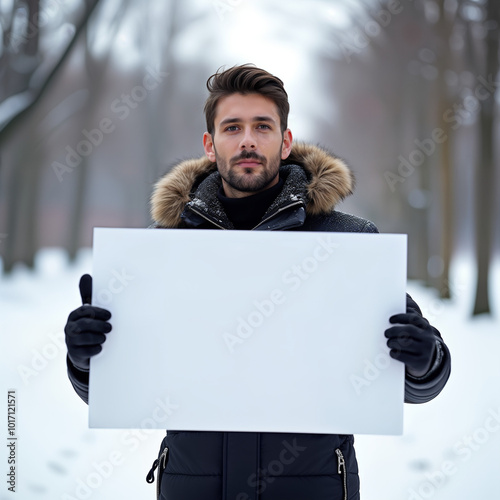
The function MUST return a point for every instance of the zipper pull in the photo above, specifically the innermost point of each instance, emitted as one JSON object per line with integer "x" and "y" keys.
{"x": 161, "y": 462}
{"x": 163, "y": 459}
{"x": 341, "y": 460}
{"x": 150, "y": 478}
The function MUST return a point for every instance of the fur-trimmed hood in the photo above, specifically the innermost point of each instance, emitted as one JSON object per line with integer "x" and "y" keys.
{"x": 329, "y": 181}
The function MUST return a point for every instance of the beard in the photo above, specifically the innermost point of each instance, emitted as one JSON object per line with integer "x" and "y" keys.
{"x": 249, "y": 181}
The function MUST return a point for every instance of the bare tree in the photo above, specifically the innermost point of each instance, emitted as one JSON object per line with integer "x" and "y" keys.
{"x": 19, "y": 56}
{"x": 485, "y": 169}
{"x": 28, "y": 95}
{"x": 95, "y": 71}
{"x": 15, "y": 114}
{"x": 444, "y": 30}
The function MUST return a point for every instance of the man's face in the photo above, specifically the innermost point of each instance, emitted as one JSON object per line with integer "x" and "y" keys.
{"x": 247, "y": 144}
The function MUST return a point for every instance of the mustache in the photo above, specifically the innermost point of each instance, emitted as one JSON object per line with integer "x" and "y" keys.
{"x": 245, "y": 155}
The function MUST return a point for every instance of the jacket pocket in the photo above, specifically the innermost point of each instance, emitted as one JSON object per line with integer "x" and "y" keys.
{"x": 160, "y": 463}
{"x": 342, "y": 471}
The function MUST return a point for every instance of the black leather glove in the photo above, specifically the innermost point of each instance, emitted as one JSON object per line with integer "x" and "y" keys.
{"x": 86, "y": 328}
{"x": 412, "y": 341}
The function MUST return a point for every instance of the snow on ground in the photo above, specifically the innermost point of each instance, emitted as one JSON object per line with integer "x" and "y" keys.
{"x": 450, "y": 448}
{"x": 59, "y": 457}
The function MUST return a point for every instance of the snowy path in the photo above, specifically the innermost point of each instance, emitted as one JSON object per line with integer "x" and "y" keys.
{"x": 450, "y": 448}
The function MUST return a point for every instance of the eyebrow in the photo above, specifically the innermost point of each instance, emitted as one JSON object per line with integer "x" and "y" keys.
{"x": 226, "y": 121}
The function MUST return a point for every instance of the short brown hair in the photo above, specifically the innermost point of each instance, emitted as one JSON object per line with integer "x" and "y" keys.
{"x": 245, "y": 79}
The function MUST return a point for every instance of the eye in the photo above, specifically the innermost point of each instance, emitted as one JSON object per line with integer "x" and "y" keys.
{"x": 231, "y": 128}
{"x": 264, "y": 126}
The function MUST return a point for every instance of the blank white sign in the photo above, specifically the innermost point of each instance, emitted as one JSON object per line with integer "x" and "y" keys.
{"x": 248, "y": 331}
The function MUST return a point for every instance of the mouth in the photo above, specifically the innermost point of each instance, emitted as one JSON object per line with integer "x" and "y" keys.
{"x": 248, "y": 163}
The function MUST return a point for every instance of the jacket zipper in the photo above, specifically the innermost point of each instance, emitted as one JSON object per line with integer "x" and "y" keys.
{"x": 342, "y": 470}
{"x": 207, "y": 218}
{"x": 160, "y": 463}
{"x": 259, "y": 224}
{"x": 278, "y": 212}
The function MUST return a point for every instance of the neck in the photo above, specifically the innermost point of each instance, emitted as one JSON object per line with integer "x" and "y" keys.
{"x": 246, "y": 212}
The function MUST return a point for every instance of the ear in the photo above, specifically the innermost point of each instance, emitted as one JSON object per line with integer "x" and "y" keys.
{"x": 208, "y": 146}
{"x": 287, "y": 144}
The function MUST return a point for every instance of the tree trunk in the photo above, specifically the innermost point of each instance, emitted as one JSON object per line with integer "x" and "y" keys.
{"x": 485, "y": 169}
{"x": 96, "y": 73}
{"x": 21, "y": 243}
{"x": 446, "y": 175}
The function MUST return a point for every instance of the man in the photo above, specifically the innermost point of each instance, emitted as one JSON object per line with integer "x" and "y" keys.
{"x": 254, "y": 177}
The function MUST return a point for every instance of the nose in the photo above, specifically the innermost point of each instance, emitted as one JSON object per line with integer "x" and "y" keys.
{"x": 248, "y": 141}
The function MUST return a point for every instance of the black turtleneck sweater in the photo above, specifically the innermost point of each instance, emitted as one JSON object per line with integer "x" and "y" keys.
{"x": 247, "y": 212}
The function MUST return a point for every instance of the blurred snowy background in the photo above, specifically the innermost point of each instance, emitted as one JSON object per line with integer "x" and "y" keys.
{"x": 99, "y": 98}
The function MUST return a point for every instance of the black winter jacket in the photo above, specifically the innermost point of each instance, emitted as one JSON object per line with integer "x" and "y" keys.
{"x": 267, "y": 466}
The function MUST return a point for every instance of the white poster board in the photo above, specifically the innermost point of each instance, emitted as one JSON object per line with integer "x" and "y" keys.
{"x": 250, "y": 331}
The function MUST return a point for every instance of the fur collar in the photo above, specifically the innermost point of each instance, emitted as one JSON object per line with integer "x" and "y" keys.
{"x": 329, "y": 181}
